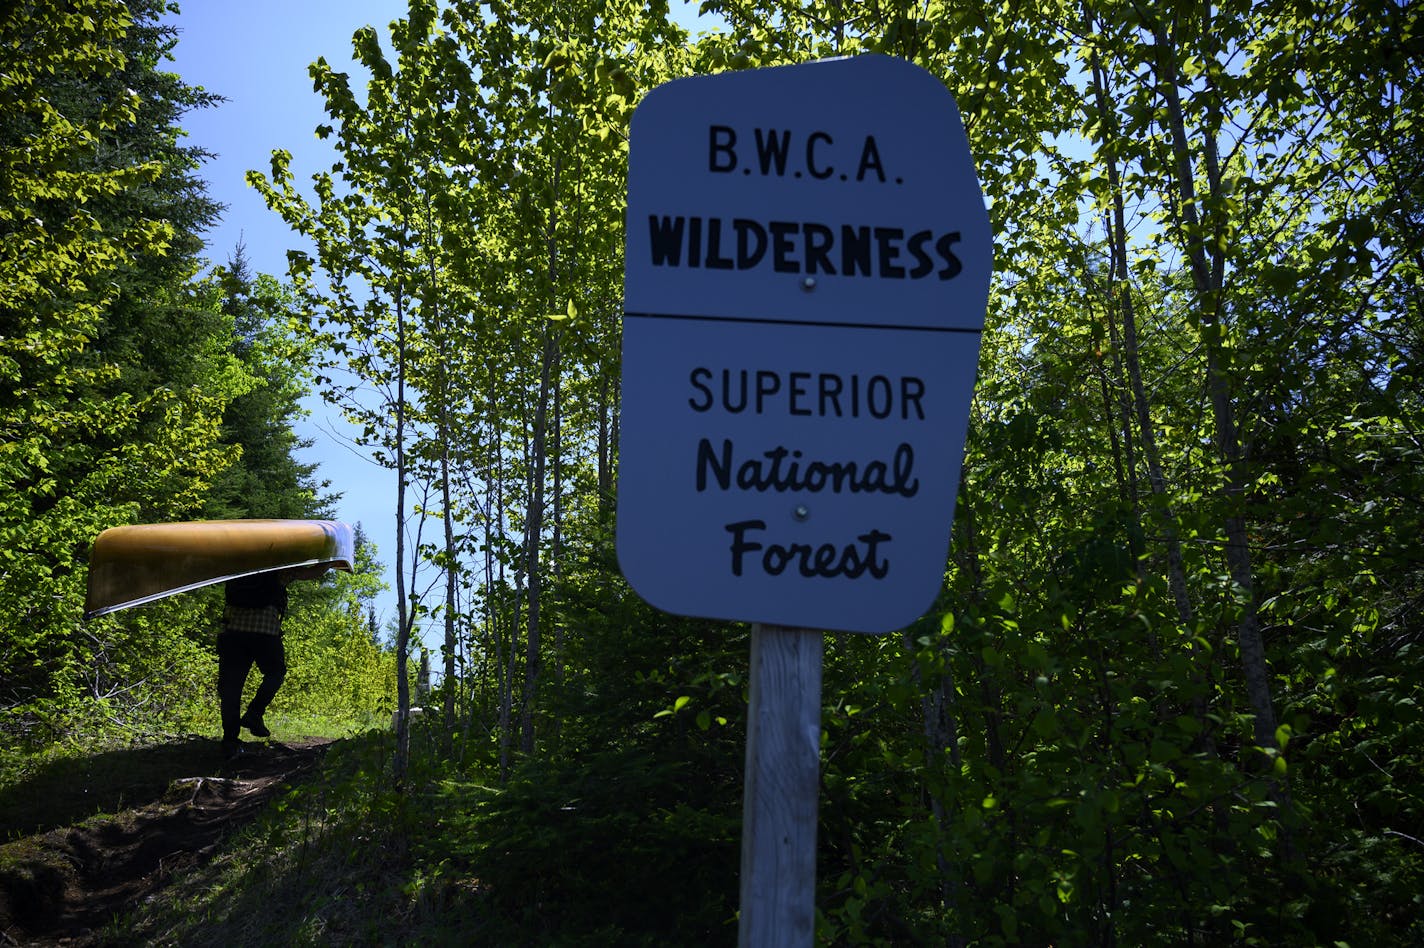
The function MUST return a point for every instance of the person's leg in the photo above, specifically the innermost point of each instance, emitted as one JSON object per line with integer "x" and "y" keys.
{"x": 271, "y": 660}
{"x": 234, "y": 660}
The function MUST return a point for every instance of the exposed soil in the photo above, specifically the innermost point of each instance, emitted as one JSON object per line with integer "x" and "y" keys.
{"x": 62, "y": 883}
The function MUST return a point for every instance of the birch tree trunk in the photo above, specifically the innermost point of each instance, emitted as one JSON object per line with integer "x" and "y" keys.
{"x": 1206, "y": 259}
{"x": 406, "y": 621}
{"x": 533, "y": 529}
{"x": 504, "y": 631}
{"x": 1120, "y": 290}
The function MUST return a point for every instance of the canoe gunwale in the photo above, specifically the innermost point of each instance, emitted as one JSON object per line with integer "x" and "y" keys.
{"x": 155, "y": 597}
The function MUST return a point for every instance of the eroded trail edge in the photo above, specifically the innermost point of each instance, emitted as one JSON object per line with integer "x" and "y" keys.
{"x": 62, "y": 885}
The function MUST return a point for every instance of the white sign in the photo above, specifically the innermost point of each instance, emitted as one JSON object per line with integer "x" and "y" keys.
{"x": 808, "y": 260}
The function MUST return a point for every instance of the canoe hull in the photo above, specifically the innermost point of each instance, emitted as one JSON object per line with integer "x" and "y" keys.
{"x": 135, "y": 565}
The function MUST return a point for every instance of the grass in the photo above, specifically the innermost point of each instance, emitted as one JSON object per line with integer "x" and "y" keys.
{"x": 604, "y": 848}
{"x": 75, "y": 780}
{"x": 295, "y": 726}
{"x": 64, "y": 786}
{"x": 330, "y": 862}
{"x": 599, "y": 849}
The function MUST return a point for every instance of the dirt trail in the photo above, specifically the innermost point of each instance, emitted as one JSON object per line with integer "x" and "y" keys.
{"x": 60, "y": 885}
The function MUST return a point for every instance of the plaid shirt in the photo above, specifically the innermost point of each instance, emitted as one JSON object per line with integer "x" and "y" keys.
{"x": 264, "y": 621}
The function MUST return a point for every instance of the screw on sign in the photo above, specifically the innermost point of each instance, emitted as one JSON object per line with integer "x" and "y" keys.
{"x": 807, "y": 267}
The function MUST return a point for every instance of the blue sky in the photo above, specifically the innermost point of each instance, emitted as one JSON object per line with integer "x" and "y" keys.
{"x": 255, "y": 53}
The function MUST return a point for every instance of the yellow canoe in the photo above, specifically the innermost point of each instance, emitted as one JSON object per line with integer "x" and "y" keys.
{"x": 134, "y": 565}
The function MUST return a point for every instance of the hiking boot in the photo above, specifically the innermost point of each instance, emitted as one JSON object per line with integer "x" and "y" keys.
{"x": 255, "y": 725}
{"x": 232, "y": 749}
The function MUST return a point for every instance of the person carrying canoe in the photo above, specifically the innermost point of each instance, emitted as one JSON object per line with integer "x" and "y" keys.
{"x": 252, "y": 634}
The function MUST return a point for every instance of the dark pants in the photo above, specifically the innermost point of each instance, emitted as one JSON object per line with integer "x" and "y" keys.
{"x": 237, "y": 651}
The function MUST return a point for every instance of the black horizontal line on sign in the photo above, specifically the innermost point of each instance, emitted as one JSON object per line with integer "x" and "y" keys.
{"x": 797, "y": 322}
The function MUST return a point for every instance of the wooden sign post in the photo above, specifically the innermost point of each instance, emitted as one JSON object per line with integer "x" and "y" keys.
{"x": 778, "y": 884}
{"x": 807, "y": 265}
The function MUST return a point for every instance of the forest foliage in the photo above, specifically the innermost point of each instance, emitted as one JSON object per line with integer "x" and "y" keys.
{"x": 1170, "y": 690}
{"x": 136, "y": 385}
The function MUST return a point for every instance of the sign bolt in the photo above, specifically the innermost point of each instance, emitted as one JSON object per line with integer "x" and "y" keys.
{"x": 800, "y": 513}
{"x": 808, "y": 283}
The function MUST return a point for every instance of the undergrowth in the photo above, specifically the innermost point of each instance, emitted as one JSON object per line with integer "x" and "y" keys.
{"x": 104, "y": 771}
{"x": 328, "y": 862}
{"x": 600, "y": 849}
